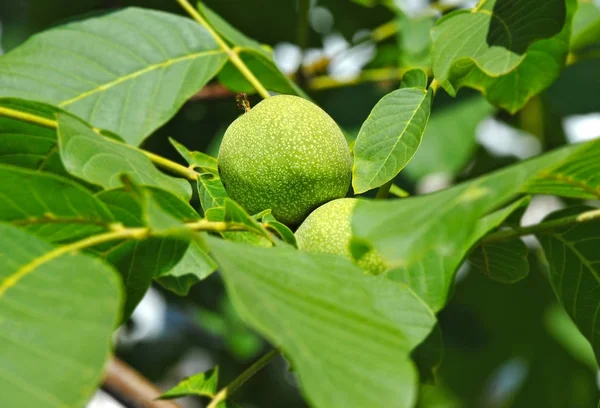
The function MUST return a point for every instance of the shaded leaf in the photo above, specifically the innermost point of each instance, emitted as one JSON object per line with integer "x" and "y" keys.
{"x": 347, "y": 334}
{"x": 489, "y": 49}
{"x": 577, "y": 177}
{"x": 101, "y": 161}
{"x": 202, "y": 384}
{"x": 586, "y": 26}
{"x": 415, "y": 78}
{"x": 195, "y": 159}
{"x": 574, "y": 264}
{"x": 449, "y": 139}
{"x": 428, "y": 356}
{"x": 414, "y": 41}
{"x": 128, "y": 71}
{"x": 51, "y": 207}
{"x": 389, "y": 137}
{"x": 505, "y": 262}
{"x": 27, "y": 144}
{"x": 211, "y": 191}
{"x": 194, "y": 266}
{"x": 141, "y": 261}
{"x": 58, "y": 318}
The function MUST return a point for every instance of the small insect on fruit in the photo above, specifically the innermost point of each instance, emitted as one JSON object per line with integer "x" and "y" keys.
{"x": 285, "y": 154}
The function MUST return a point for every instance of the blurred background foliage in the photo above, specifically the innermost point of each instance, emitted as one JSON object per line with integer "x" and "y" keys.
{"x": 505, "y": 345}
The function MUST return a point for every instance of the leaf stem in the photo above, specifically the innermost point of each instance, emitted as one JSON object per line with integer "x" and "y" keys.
{"x": 118, "y": 233}
{"x": 383, "y": 191}
{"x": 323, "y": 82}
{"x": 231, "y": 53}
{"x": 160, "y": 161}
{"x": 242, "y": 378}
{"x": 507, "y": 235}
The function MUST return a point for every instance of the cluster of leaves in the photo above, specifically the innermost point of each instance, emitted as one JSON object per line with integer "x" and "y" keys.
{"x": 89, "y": 222}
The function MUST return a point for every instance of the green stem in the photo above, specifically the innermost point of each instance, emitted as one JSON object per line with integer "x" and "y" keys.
{"x": 160, "y": 161}
{"x": 242, "y": 378}
{"x": 383, "y": 191}
{"x": 118, "y": 233}
{"x": 302, "y": 31}
{"x": 507, "y": 235}
{"x": 231, "y": 53}
{"x": 369, "y": 75}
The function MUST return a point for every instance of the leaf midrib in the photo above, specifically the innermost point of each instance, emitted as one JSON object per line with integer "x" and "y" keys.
{"x": 135, "y": 74}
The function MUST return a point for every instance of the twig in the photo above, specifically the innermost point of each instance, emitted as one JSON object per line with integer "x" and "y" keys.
{"x": 507, "y": 235}
{"x": 211, "y": 92}
{"x": 241, "y": 380}
{"x": 160, "y": 161}
{"x": 130, "y": 387}
{"x": 231, "y": 53}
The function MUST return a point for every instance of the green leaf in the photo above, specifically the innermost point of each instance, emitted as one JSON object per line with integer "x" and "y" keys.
{"x": 141, "y": 261}
{"x": 389, "y": 137}
{"x": 201, "y": 384}
{"x": 58, "y": 318}
{"x": 505, "y": 262}
{"x": 284, "y": 232}
{"x": 561, "y": 327}
{"x": 415, "y": 78}
{"x": 449, "y": 139}
{"x": 577, "y": 177}
{"x": 49, "y": 206}
{"x": 428, "y": 356}
{"x": 586, "y": 26}
{"x": 211, "y": 190}
{"x": 195, "y": 266}
{"x": 574, "y": 264}
{"x": 101, "y": 161}
{"x": 414, "y": 41}
{"x": 236, "y": 214}
{"x": 195, "y": 159}
{"x": 424, "y": 239}
{"x": 27, "y": 144}
{"x": 346, "y": 333}
{"x": 128, "y": 71}
{"x": 258, "y": 58}
{"x": 489, "y": 49}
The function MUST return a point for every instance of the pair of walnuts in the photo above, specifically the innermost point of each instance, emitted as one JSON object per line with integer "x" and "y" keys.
{"x": 289, "y": 155}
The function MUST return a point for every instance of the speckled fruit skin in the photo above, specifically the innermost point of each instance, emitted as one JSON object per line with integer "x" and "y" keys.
{"x": 328, "y": 230}
{"x": 286, "y": 154}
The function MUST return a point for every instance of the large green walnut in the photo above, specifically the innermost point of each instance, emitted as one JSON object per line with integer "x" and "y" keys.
{"x": 328, "y": 230}
{"x": 285, "y": 154}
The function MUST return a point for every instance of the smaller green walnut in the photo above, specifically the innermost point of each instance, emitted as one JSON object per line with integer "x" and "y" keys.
{"x": 328, "y": 230}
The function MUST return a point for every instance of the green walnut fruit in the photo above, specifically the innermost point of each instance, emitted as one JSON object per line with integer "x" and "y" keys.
{"x": 328, "y": 230}
{"x": 285, "y": 154}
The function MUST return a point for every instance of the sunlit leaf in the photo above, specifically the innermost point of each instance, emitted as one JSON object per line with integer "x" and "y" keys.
{"x": 424, "y": 239}
{"x": 347, "y": 334}
{"x": 101, "y": 161}
{"x": 490, "y": 49}
{"x": 202, "y": 384}
{"x": 128, "y": 71}
{"x": 389, "y": 137}
{"x": 57, "y": 321}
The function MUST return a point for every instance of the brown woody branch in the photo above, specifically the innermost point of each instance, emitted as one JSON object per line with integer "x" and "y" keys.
{"x": 131, "y": 388}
